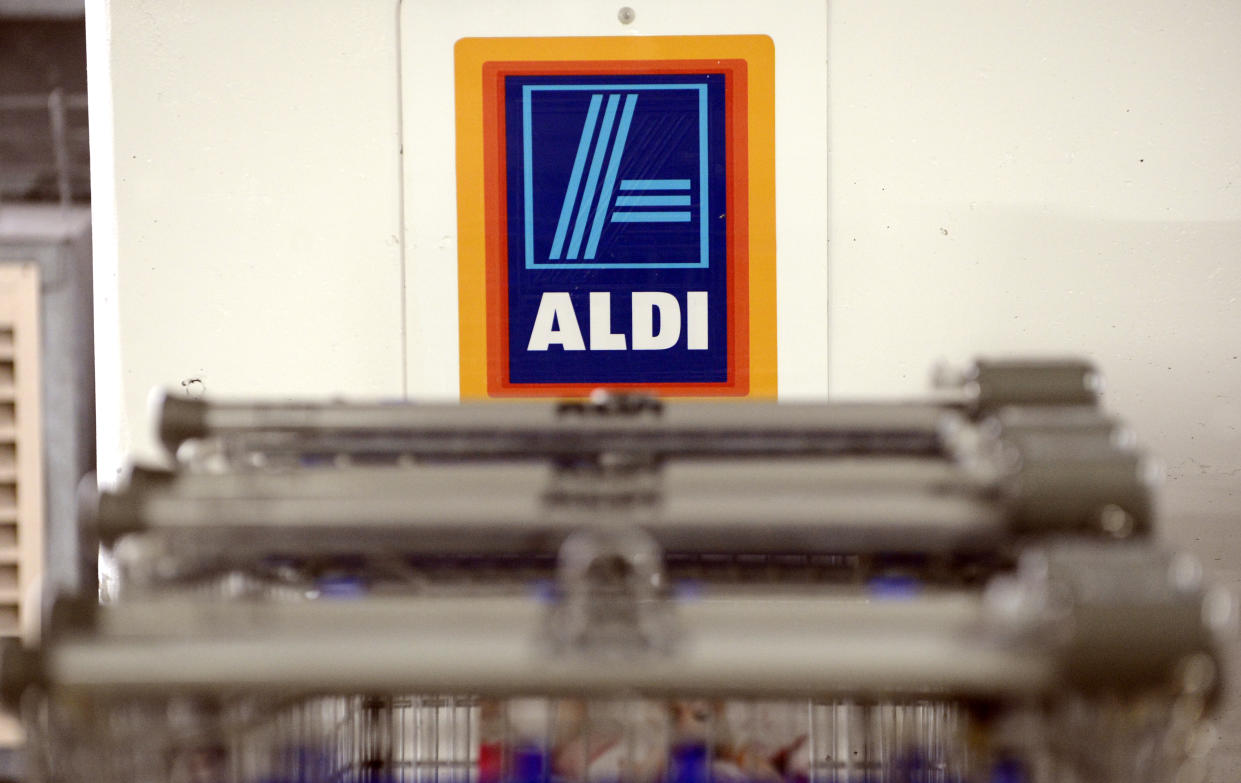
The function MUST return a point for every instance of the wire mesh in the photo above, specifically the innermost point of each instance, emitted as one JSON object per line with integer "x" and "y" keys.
{"x": 468, "y": 739}
{"x": 460, "y": 739}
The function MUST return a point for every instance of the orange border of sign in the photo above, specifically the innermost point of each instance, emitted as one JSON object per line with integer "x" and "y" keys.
{"x": 748, "y": 61}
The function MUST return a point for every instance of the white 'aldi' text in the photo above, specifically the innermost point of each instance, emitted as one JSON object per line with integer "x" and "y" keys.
{"x": 556, "y": 322}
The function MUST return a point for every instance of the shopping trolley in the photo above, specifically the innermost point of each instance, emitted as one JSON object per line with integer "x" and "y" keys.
{"x": 620, "y": 589}
{"x": 316, "y": 495}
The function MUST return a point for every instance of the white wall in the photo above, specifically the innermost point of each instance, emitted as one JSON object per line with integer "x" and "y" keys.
{"x": 1051, "y": 176}
{"x": 1055, "y": 177}
{"x": 246, "y": 169}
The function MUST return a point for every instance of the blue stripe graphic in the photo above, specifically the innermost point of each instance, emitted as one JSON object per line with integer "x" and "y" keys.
{"x": 526, "y": 158}
{"x": 704, "y": 211}
{"x": 592, "y": 179}
{"x": 652, "y": 201}
{"x": 575, "y": 179}
{"x": 609, "y": 180}
{"x": 588, "y": 197}
{"x": 650, "y": 217}
{"x": 654, "y": 184}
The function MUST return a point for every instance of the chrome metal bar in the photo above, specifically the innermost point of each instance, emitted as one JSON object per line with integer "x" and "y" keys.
{"x": 520, "y": 523}
{"x": 839, "y": 608}
{"x": 533, "y": 429}
{"x": 908, "y": 662}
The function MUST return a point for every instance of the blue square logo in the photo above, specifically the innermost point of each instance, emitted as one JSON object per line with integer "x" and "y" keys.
{"x": 616, "y": 172}
{"x": 615, "y": 195}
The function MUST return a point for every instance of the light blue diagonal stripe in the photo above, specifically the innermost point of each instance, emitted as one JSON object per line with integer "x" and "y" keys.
{"x": 575, "y": 178}
{"x": 652, "y": 201}
{"x": 654, "y": 184}
{"x": 609, "y": 180}
{"x": 650, "y": 217}
{"x": 592, "y": 179}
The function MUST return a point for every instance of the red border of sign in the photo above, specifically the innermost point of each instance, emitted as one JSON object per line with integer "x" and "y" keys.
{"x": 737, "y": 240}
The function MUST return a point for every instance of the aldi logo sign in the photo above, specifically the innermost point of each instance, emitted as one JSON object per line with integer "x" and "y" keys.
{"x": 616, "y": 236}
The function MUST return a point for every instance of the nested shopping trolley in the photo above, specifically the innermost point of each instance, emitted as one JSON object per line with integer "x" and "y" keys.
{"x": 619, "y": 589}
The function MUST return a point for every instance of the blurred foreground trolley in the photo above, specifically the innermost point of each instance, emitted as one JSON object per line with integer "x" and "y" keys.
{"x": 1088, "y": 663}
{"x": 628, "y": 591}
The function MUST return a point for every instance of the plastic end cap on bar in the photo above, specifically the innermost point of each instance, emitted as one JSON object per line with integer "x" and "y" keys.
{"x": 20, "y": 668}
{"x": 179, "y": 419}
{"x": 991, "y": 384}
{"x": 1120, "y": 618}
